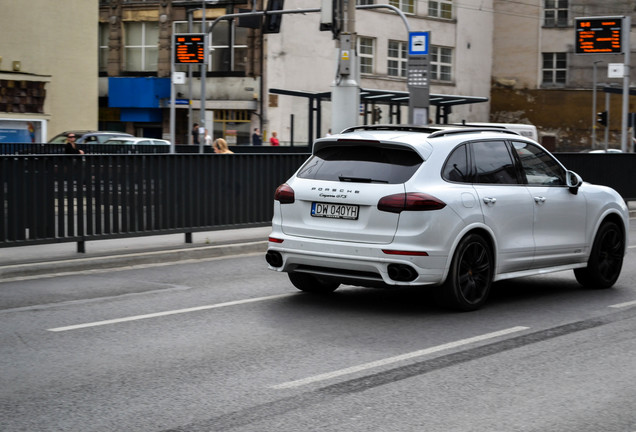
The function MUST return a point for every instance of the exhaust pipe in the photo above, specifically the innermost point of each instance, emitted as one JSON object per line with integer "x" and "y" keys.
{"x": 402, "y": 272}
{"x": 274, "y": 258}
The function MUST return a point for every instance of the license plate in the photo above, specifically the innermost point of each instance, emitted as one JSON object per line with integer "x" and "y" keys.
{"x": 336, "y": 211}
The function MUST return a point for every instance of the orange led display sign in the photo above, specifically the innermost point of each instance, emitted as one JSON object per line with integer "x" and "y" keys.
{"x": 189, "y": 48}
{"x": 600, "y": 35}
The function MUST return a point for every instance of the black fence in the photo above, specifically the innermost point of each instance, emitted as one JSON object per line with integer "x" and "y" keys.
{"x": 616, "y": 170}
{"x": 66, "y": 198}
{"x": 36, "y": 148}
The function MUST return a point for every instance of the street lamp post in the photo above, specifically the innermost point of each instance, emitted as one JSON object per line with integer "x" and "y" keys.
{"x": 594, "y": 126}
{"x": 204, "y": 66}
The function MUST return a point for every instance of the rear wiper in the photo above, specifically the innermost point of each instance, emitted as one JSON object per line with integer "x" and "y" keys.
{"x": 360, "y": 180}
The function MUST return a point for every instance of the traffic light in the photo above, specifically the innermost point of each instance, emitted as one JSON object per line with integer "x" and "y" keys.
{"x": 331, "y": 16}
{"x": 376, "y": 115}
{"x": 601, "y": 118}
{"x": 272, "y": 22}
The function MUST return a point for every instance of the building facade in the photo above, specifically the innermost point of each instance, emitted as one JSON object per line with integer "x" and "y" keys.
{"x": 538, "y": 78}
{"x": 48, "y": 66}
{"x": 519, "y": 56}
{"x": 246, "y": 63}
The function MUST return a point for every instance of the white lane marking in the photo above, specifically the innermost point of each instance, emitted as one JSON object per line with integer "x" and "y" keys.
{"x": 122, "y": 267}
{"x": 390, "y": 360}
{"x": 621, "y": 305}
{"x": 167, "y": 313}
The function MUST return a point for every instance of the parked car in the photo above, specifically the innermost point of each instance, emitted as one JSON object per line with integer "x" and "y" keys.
{"x": 609, "y": 150}
{"x": 456, "y": 208}
{"x": 88, "y": 137}
{"x": 137, "y": 141}
{"x": 135, "y": 145}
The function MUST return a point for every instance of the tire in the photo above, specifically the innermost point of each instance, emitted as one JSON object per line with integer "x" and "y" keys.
{"x": 313, "y": 284}
{"x": 606, "y": 259}
{"x": 470, "y": 277}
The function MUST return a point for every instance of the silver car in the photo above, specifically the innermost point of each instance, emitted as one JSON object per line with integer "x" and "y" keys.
{"x": 450, "y": 207}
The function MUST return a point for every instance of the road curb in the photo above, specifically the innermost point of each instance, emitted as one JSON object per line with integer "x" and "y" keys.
{"x": 129, "y": 259}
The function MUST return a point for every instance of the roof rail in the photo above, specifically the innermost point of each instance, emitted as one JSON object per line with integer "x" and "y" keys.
{"x": 405, "y": 128}
{"x": 461, "y": 130}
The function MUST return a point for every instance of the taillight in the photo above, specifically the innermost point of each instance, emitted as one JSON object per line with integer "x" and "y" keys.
{"x": 284, "y": 194}
{"x": 412, "y": 201}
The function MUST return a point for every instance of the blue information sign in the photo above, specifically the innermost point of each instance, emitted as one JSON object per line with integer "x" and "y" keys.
{"x": 418, "y": 43}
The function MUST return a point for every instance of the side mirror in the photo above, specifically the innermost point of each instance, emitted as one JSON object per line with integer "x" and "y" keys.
{"x": 574, "y": 181}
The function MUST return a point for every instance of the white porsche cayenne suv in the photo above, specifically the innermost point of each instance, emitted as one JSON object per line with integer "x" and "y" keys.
{"x": 451, "y": 207}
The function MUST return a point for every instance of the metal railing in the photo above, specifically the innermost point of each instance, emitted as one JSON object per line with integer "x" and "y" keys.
{"x": 68, "y": 198}
{"x": 615, "y": 170}
{"x": 36, "y": 148}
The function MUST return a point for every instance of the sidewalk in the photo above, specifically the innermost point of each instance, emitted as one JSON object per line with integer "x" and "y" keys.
{"x": 24, "y": 261}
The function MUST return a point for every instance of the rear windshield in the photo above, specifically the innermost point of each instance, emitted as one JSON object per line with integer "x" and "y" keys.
{"x": 362, "y": 164}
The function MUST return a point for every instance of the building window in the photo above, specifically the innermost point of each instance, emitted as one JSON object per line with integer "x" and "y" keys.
{"x": 554, "y": 68}
{"x": 233, "y": 125}
{"x": 141, "y": 46}
{"x": 364, "y": 2}
{"x": 555, "y": 13}
{"x": 366, "y": 49}
{"x": 441, "y": 63}
{"x": 396, "y": 59}
{"x": 104, "y": 31}
{"x": 406, "y": 6}
{"x": 228, "y": 45}
{"x": 440, "y": 9}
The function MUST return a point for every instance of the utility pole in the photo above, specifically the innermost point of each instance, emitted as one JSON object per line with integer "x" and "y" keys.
{"x": 345, "y": 93}
{"x": 204, "y": 75}
{"x": 627, "y": 25}
{"x": 594, "y": 122}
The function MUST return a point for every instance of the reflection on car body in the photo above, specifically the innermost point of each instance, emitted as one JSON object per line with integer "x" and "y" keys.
{"x": 455, "y": 208}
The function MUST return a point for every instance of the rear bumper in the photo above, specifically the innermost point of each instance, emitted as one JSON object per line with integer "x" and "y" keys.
{"x": 353, "y": 263}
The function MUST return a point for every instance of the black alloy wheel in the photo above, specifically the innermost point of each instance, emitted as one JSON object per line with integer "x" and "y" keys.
{"x": 468, "y": 283}
{"x": 606, "y": 259}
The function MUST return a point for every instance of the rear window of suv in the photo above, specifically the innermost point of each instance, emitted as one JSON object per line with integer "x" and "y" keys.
{"x": 362, "y": 164}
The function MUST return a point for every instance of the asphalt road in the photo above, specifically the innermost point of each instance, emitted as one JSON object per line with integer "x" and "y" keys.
{"x": 223, "y": 344}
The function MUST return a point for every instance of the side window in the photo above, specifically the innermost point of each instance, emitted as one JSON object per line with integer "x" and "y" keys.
{"x": 456, "y": 168}
{"x": 538, "y": 166}
{"x": 493, "y": 163}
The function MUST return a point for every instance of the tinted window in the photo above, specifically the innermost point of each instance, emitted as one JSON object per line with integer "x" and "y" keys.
{"x": 538, "y": 166}
{"x": 456, "y": 168}
{"x": 493, "y": 163}
{"x": 362, "y": 164}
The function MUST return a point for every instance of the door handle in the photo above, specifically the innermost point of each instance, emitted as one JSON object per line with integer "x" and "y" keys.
{"x": 539, "y": 199}
{"x": 490, "y": 201}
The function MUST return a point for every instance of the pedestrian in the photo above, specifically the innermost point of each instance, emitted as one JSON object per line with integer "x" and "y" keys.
{"x": 220, "y": 147}
{"x": 207, "y": 138}
{"x": 274, "y": 139}
{"x": 195, "y": 133}
{"x": 256, "y": 138}
{"x": 70, "y": 147}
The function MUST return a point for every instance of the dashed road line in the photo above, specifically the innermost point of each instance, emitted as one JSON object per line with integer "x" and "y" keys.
{"x": 167, "y": 313}
{"x": 399, "y": 358}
